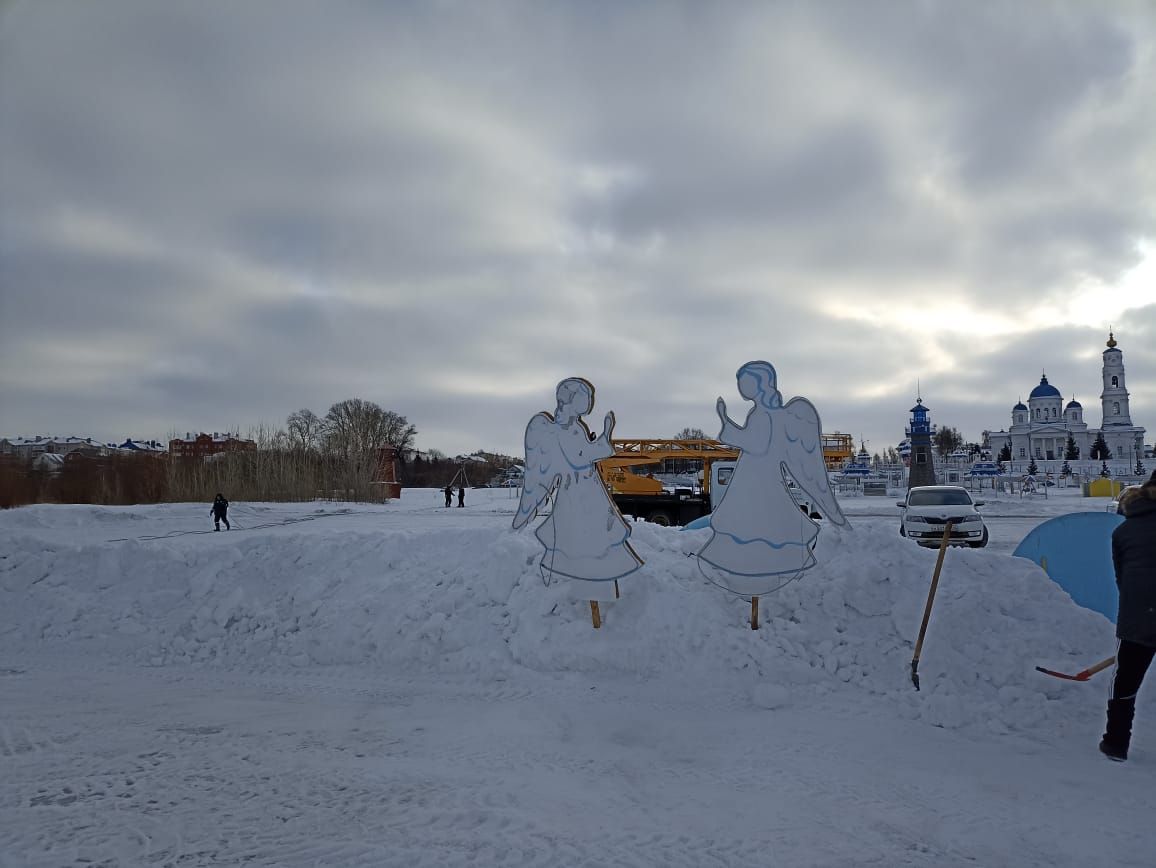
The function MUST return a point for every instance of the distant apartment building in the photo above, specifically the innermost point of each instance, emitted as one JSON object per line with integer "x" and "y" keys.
{"x": 143, "y": 447}
{"x": 32, "y": 447}
{"x": 205, "y": 445}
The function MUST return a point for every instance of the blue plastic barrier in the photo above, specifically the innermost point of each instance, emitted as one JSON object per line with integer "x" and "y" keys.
{"x": 1076, "y": 552}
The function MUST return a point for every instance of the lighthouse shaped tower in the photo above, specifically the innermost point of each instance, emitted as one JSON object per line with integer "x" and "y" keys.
{"x": 919, "y": 430}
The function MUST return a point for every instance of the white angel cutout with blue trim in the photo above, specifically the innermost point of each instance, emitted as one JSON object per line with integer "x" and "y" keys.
{"x": 584, "y": 535}
{"x": 760, "y": 538}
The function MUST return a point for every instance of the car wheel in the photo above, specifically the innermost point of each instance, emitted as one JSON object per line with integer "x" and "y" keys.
{"x": 902, "y": 532}
{"x": 982, "y": 542}
{"x": 659, "y": 518}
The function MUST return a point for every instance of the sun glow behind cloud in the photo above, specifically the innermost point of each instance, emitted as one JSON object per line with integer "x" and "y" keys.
{"x": 1098, "y": 303}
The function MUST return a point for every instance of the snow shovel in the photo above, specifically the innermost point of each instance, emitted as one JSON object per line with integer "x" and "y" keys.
{"x": 930, "y": 600}
{"x": 1082, "y": 675}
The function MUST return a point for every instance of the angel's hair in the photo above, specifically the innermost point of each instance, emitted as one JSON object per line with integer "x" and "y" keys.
{"x": 571, "y": 386}
{"x": 764, "y": 374}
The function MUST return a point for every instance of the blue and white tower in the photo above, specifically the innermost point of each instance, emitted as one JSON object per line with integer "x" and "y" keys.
{"x": 919, "y": 431}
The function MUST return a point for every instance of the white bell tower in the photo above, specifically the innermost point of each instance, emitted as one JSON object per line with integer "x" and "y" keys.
{"x": 1114, "y": 398}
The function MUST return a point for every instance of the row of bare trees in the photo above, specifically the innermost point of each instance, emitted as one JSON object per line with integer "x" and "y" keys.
{"x": 276, "y": 471}
{"x": 334, "y": 456}
{"x": 115, "y": 479}
{"x": 266, "y": 474}
{"x": 351, "y": 427}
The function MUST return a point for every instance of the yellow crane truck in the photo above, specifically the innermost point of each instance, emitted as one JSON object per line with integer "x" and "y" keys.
{"x": 641, "y": 495}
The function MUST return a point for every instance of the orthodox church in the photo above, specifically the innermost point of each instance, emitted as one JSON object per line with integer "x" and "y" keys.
{"x": 1042, "y": 427}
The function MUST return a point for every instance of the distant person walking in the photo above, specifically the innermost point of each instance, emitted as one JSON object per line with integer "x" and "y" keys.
{"x": 220, "y": 512}
{"x": 1134, "y": 557}
{"x": 461, "y": 495}
{"x": 449, "y": 492}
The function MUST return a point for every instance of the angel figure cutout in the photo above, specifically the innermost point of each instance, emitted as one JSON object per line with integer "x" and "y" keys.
{"x": 760, "y": 538}
{"x": 584, "y": 535}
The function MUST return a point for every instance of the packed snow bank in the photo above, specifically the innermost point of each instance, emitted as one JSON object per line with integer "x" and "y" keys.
{"x": 419, "y": 592}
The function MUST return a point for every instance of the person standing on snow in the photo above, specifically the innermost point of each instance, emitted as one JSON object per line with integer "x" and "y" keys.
{"x": 1134, "y": 557}
{"x": 449, "y": 492}
{"x": 461, "y": 494}
{"x": 220, "y": 512}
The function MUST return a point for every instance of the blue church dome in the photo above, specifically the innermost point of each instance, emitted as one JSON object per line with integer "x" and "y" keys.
{"x": 1074, "y": 403}
{"x": 1019, "y": 406}
{"x": 1044, "y": 390}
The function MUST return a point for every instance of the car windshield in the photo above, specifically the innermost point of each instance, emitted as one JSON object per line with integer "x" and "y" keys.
{"x": 945, "y": 497}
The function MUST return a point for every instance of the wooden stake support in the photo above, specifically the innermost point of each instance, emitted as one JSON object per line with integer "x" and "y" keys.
{"x": 595, "y": 617}
{"x": 754, "y": 613}
{"x": 617, "y": 594}
{"x": 930, "y": 600}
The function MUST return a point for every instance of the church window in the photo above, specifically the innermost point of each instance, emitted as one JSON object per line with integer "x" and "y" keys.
{"x": 1021, "y": 452}
{"x": 1115, "y": 408}
{"x": 1053, "y": 412}
{"x": 1037, "y": 412}
{"x": 1115, "y": 382}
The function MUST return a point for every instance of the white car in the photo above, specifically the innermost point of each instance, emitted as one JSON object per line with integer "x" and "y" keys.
{"x": 928, "y": 508}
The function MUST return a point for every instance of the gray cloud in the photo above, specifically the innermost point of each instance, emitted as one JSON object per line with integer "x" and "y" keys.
{"x": 212, "y": 214}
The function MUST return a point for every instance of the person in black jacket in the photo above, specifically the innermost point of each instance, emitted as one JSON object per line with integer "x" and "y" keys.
{"x": 449, "y": 493}
{"x": 1134, "y": 557}
{"x": 220, "y": 512}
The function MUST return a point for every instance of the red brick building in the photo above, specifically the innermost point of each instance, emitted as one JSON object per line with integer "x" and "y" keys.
{"x": 203, "y": 445}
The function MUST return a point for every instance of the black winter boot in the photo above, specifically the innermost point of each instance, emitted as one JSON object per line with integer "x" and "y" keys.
{"x": 1118, "y": 734}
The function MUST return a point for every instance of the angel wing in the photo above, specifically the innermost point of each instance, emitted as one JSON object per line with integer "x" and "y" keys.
{"x": 543, "y": 463}
{"x": 803, "y": 456}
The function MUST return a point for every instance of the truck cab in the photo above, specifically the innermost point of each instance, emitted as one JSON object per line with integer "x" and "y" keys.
{"x": 720, "y": 477}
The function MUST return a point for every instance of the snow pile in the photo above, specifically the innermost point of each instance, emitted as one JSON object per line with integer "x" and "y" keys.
{"x": 416, "y": 594}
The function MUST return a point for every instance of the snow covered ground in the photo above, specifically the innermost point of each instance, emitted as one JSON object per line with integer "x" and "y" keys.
{"x": 393, "y": 685}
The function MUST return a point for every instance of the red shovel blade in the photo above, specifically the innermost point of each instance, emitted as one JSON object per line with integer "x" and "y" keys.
{"x": 1079, "y": 676}
{"x": 1083, "y": 675}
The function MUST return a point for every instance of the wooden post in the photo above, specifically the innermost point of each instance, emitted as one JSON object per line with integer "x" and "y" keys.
{"x": 595, "y": 617}
{"x": 930, "y": 600}
{"x": 754, "y": 613}
{"x": 616, "y": 592}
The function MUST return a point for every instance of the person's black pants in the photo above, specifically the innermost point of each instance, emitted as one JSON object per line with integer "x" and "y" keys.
{"x": 1132, "y": 662}
{"x": 218, "y": 518}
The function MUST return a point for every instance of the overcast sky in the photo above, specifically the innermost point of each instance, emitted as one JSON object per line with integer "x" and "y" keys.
{"x": 215, "y": 213}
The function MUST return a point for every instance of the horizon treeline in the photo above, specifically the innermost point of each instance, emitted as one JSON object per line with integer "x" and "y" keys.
{"x": 332, "y": 457}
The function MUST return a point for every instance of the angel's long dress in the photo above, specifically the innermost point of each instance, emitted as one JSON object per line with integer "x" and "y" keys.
{"x": 758, "y": 530}
{"x": 585, "y": 536}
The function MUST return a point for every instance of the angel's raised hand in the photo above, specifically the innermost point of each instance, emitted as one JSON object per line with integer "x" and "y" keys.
{"x": 721, "y": 408}
{"x": 608, "y": 425}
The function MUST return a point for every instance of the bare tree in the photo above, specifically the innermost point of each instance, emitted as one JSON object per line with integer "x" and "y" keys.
{"x": 398, "y": 432}
{"x": 304, "y": 429}
{"x": 354, "y": 426}
{"x": 947, "y": 440}
{"x": 691, "y": 434}
{"x": 353, "y": 431}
